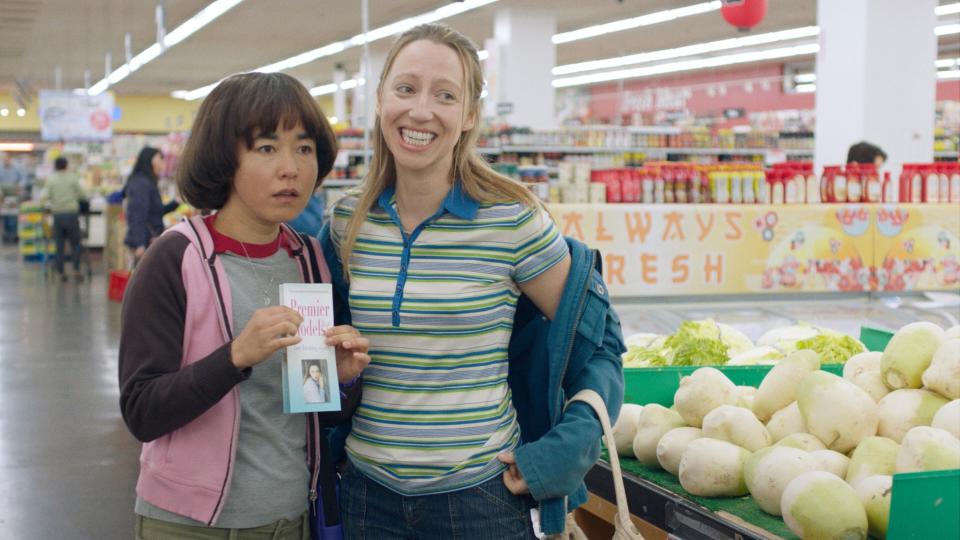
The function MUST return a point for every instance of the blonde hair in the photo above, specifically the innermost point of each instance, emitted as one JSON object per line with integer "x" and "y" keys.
{"x": 477, "y": 179}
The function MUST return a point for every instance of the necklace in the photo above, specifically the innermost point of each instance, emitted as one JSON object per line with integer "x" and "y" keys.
{"x": 267, "y": 300}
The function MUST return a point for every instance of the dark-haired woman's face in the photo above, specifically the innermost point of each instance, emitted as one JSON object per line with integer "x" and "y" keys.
{"x": 157, "y": 163}
{"x": 274, "y": 179}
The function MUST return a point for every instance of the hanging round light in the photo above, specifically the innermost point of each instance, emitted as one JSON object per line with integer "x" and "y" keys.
{"x": 744, "y": 14}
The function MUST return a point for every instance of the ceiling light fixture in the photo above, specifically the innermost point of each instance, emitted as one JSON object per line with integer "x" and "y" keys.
{"x": 947, "y": 29}
{"x": 688, "y": 65}
{"x": 391, "y": 29}
{"x": 202, "y": 18}
{"x": 636, "y": 22}
{"x": 947, "y": 9}
{"x": 689, "y": 50}
{"x": 16, "y": 147}
{"x": 949, "y": 74}
{"x": 805, "y": 88}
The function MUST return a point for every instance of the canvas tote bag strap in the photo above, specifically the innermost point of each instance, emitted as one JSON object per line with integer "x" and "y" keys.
{"x": 625, "y": 529}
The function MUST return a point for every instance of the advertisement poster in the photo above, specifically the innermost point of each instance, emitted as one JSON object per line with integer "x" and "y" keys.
{"x": 675, "y": 250}
{"x": 70, "y": 117}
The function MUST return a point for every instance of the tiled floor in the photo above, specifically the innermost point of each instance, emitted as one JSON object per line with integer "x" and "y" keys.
{"x": 68, "y": 465}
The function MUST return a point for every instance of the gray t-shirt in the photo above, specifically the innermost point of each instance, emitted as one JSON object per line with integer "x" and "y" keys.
{"x": 270, "y": 475}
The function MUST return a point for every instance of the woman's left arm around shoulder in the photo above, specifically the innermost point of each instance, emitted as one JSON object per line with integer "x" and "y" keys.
{"x": 554, "y": 465}
{"x": 546, "y": 289}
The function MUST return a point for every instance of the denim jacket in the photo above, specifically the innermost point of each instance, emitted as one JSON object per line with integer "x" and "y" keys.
{"x": 550, "y": 361}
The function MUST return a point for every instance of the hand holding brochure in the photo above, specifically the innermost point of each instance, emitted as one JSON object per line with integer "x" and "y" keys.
{"x": 310, "y": 367}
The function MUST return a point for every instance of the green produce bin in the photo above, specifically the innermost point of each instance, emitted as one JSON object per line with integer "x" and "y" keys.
{"x": 658, "y": 385}
{"x": 875, "y": 339}
{"x": 925, "y": 505}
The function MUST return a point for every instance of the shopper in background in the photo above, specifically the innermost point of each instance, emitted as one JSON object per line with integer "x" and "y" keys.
{"x": 144, "y": 209}
{"x": 12, "y": 178}
{"x": 203, "y": 334}
{"x": 864, "y": 152}
{"x": 446, "y": 264}
{"x": 63, "y": 194}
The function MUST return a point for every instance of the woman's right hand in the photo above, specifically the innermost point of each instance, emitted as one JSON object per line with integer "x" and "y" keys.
{"x": 267, "y": 331}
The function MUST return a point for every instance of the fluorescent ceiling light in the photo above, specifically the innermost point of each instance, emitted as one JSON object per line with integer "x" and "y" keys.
{"x": 947, "y": 29}
{"x": 947, "y": 9}
{"x": 947, "y": 62}
{"x": 805, "y": 88}
{"x": 483, "y": 55}
{"x": 202, "y": 18}
{"x": 16, "y": 146}
{"x": 438, "y": 14}
{"x": 636, "y": 22}
{"x": 687, "y": 65}
{"x": 689, "y": 50}
{"x": 951, "y": 74}
{"x": 323, "y": 90}
{"x": 804, "y": 78}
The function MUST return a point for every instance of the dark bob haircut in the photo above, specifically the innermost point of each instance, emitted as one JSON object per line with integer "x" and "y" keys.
{"x": 864, "y": 152}
{"x": 60, "y": 163}
{"x": 239, "y": 109}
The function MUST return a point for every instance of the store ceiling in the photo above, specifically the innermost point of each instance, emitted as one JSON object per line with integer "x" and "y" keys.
{"x": 36, "y": 36}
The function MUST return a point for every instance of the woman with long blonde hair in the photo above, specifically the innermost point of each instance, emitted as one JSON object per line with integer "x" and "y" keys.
{"x": 480, "y": 319}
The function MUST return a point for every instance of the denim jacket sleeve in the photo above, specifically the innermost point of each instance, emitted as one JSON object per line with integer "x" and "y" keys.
{"x": 555, "y": 464}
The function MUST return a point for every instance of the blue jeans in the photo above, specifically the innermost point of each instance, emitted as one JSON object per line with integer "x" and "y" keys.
{"x": 371, "y": 511}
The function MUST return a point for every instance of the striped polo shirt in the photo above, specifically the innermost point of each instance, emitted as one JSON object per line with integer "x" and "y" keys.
{"x": 438, "y": 305}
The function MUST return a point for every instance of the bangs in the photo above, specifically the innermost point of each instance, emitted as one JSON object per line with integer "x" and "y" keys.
{"x": 276, "y": 102}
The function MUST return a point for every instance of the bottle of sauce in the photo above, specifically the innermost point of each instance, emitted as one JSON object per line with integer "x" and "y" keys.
{"x": 944, "y": 189}
{"x": 720, "y": 191}
{"x": 694, "y": 177}
{"x": 915, "y": 188}
{"x": 839, "y": 186}
{"x": 890, "y": 190}
{"x": 813, "y": 186}
{"x": 668, "y": 189}
{"x": 800, "y": 186}
{"x": 854, "y": 183}
{"x": 763, "y": 189}
{"x": 705, "y": 195}
{"x": 931, "y": 185}
{"x": 873, "y": 190}
{"x": 647, "y": 185}
{"x": 681, "y": 186}
{"x": 749, "y": 187}
{"x": 826, "y": 183}
{"x": 955, "y": 183}
{"x": 777, "y": 191}
{"x": 736, "y": 186}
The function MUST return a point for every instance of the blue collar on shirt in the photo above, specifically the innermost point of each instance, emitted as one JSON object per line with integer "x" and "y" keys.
{"x": 457, "y": 202}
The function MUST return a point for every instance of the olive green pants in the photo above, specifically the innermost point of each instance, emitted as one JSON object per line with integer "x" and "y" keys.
{"x": 155, "y": 529}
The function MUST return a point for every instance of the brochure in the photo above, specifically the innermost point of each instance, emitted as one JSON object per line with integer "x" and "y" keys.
{"x": 310, "y": 382}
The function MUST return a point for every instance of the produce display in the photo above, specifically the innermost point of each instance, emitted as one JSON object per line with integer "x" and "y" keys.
{"x": 707, "y": 342}
{"x": 816, "y": 448}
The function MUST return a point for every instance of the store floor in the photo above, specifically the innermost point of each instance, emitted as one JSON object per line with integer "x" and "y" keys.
{"x": 68, "y": 465}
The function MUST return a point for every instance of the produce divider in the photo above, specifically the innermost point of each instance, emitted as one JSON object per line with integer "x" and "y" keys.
{"x": 696, "y": 249}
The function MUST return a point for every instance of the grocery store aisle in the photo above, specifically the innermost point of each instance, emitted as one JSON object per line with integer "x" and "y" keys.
{"x": 67, "y": 463}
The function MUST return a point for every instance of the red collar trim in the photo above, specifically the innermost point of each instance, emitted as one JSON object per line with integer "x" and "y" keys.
{"x": 223, "y": 243}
